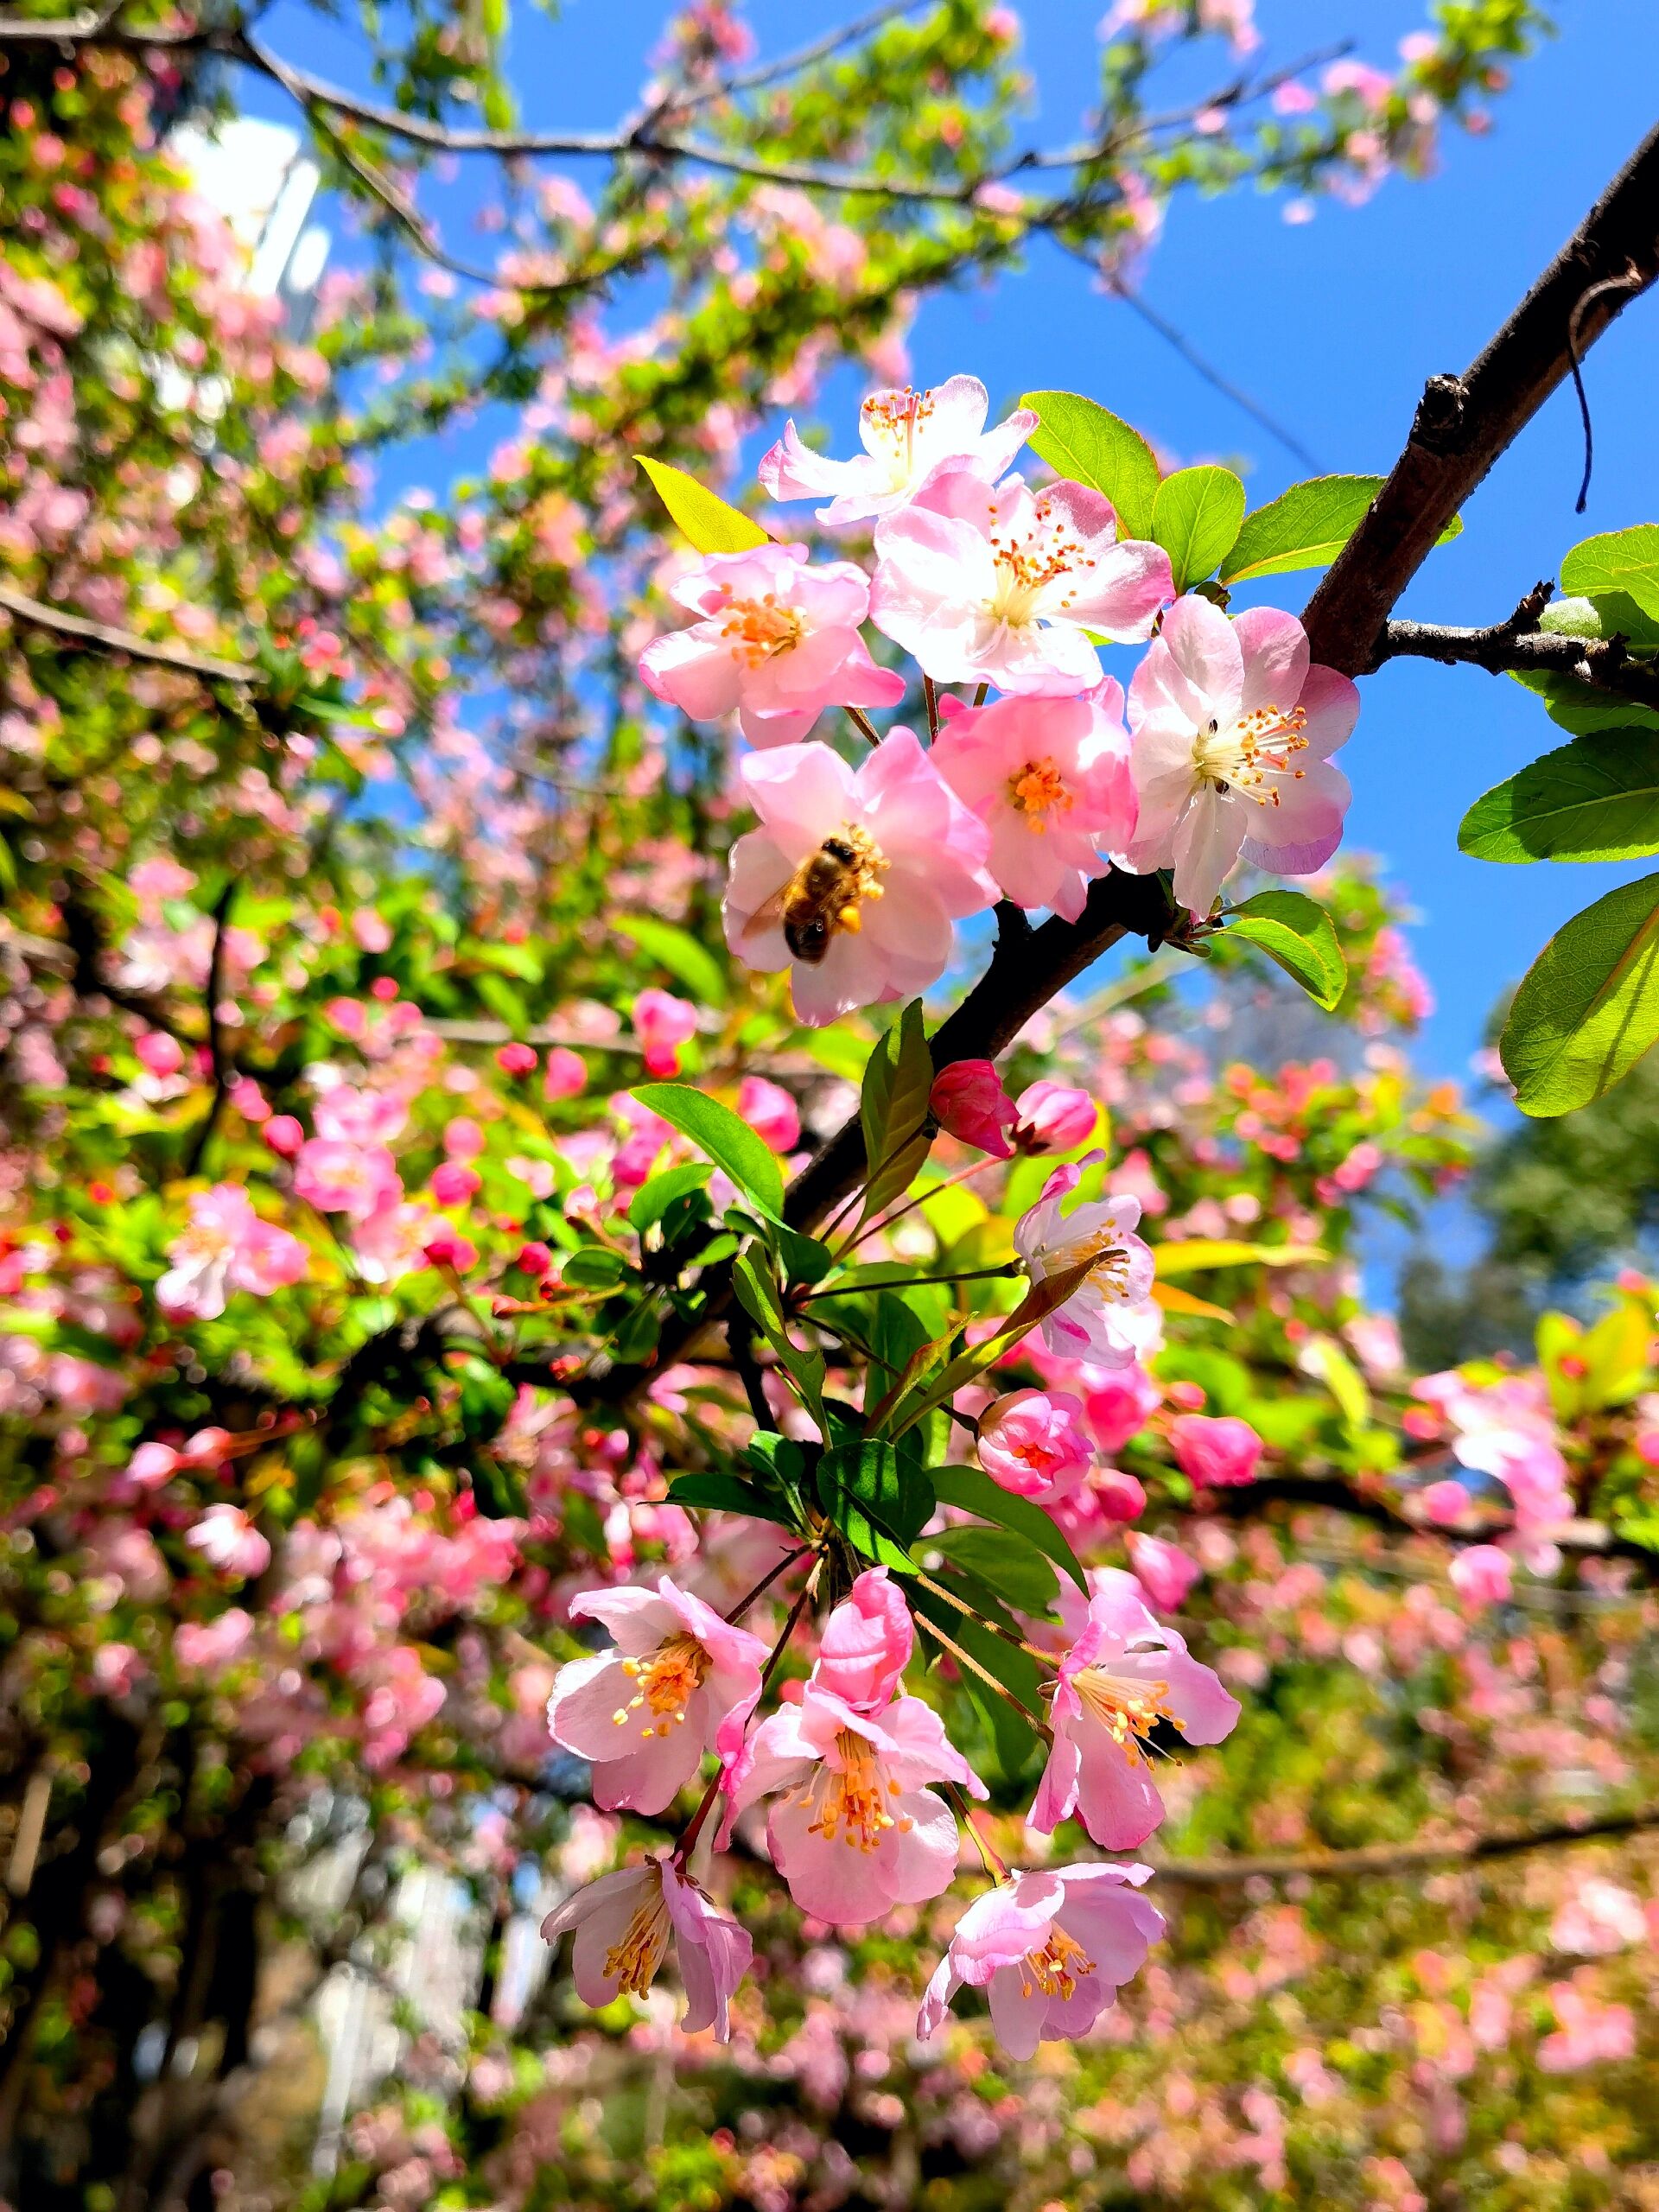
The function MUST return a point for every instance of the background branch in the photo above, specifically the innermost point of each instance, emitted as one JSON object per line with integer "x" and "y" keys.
{"x": 1470, "y": 1848}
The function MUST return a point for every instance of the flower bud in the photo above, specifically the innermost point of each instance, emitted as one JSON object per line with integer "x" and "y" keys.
{"x": 1054, "y": 1117}
{"x": 969, "y": 1102}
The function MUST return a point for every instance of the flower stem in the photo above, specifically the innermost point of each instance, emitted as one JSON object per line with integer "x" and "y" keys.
{"x": 992, "y": 1861}
{"x": 915, "y": 1282}
{"x": 767, "y": 1581}
{"x": 921, "y": 1198}
{"x": 932, "y": 699}
{"x": 1047, "y": 1658}
{"x": 865, "y": 728}
{"x": 967, "y": 1659}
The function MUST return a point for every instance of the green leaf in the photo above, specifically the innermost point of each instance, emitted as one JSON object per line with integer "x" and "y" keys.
{"x": 975, "y": 1492}
{"x": 892, "y": 1108}
{"x": 1015, "y": 1570}
{"x": 711, "y": 525}
{"x": 804, "y": 1258}
{"x": 1294, "y": 930}
{"x": 1619, "y": 560}
{"x": 1581, "y": 708}
{"x": 710, "y": 1492}
{"x": 1307, "y": 527}
{"x": 1085, "y": 442}
{"x": 679, "y": 952}
{"x": 1596, "y": 799}
{"x": 1588, "y": 1008}
{"x": 1609, "y": 614}
{"x": 652, "y": 1200}
{"x": 1196, "y": 518}
{"x": 1323, "y": 1356}
{"x": 727, "y": 1141}
{"x": 594, "y": 1268}
{"x": 878, "y": 1505}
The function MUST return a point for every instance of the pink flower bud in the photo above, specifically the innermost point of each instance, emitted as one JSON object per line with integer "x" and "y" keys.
{"x": 207, "y": 1448}
{"x": 1482, "y": 1575}
{"x": 449, "y": 1248}
{"x": 1163, "y": 1571}
{"x": 566, "y": 1076}
{"x": 1444, "y": 1503}
{"x": 1030, "y": 1443}
{"x": 866, "y": 1643}
{"x": 453, "y": 1183}
{"x": 152, "y": 1464}
{"x": 250, "y": 1101}
{"x": 1217, "y": 1454}
{"x": 662, "y": 1023}
{"x": 969, "y": 1102}
{"x": 534, "y": 1259}
{"x": 516, "y": 1059}
{"x": 1054, "y": 1117}
{"x": 159, "y": 1053}
{"x": 284, "y": 1135}
{"x": 462, "y": 1137}
{"x": 1118, "y": 1496}
{"x": 770, "y": 1112}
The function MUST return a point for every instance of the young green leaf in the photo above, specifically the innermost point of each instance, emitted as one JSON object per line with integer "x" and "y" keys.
{"x": 711, "y": 525}
{"x": 1294, "y": 930}
{"x": 1588, "y": 1008}
{"x": 1014, "y": 1569}
{"x": 1596, "y": 799}
{"x": 1087, "y": 443}
{"x": 878, "y": 1505}
{"x": 652, "y": 1200}
{"x": 594, "y": 1268}
{"x": 975, "y": 1492}
{"x": 1618, "y": 561}
{"x": 710, "y": 1492}
{"x": 892, "y": 1108}
{"x": 1581, "y": 708}
{"x": 679, "y": 952}
{"x": 1196, "y": 518}
{"x": 1306, "y": 527}
{"x": 729, "y": 1141}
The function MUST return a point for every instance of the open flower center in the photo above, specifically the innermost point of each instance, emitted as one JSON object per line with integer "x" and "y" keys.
{"x": 1037, "y": 790}
{"x": 668, "y": 1678}
{"x": 1127, "y": 1708}
{"x": 894, "y": 418}
{"x": 1029, "y": 564}
{"x": 1056, "y": 1968}
{"x": 1252, "y": 754}
{"x": 1096, "y": 1258}
{"x": 635, "y": 1960}
{"x": 755, "y": 629}
{"x": 851, "y": 1800}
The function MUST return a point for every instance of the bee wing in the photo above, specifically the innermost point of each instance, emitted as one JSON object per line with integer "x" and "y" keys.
{"x": 767, "y": 916}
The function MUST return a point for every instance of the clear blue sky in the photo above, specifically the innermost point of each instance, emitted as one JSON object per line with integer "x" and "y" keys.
{"x": 1333, "y": 325}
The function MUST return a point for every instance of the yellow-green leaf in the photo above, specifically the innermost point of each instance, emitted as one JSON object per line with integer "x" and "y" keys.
{"x": 711, "y": 525}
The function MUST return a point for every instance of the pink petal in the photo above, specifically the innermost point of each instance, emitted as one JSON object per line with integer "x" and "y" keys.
{"x": 1274, "y": 647}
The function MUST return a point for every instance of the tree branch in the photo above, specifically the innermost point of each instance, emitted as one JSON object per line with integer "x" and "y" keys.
{"x": 1464, "y": 423}
{"x": 35, "y": 614}
{"x": 1602, "y": 664}
{"x": 1468, "y": 1847}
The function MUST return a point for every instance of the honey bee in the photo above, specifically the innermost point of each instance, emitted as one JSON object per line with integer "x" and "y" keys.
{"x": 820, "y": 898}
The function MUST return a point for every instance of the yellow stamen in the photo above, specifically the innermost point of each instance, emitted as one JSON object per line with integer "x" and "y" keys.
{"x": 848, "y": 1800}
{"x": 668, "y": 1677}
{"x": 1128, "y": 1709}
{"x": 1038, "y": 789}
{"x": 635, "y": 1960}
{"x": 758, "y": 628}
{"x": 1056, "y": 1968}
{"x": 1251, "y": 756}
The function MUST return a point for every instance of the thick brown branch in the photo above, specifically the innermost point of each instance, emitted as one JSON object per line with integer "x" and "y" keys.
{"x": 1464, "y": 423}
{"x": 37, "y": 615}
{"x": 1603, "y": 663}
{"x": 1468, "y": 1847}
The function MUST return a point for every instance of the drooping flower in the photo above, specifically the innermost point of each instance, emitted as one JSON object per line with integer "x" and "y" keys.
{"x": 853, "y": 1827}
{"x": 678, "y": 1681}
{"x": 854, "y": 877}
{"x": 228, "y": 1539}
{"x": 1030, "y": 1443}
{"x": 1218, "y": 1451}
{"x": 866, "y": 1643}
{"x": 1050, "y": 780}
{"x": 663, "y": 1023}
{"x": 994, "y": 583}
{"x": 1049, "y": 1949}
{"x": 226, "y": 1248}
{"x": 1232, "y": 728}
{"x": 1054, "y": 1117}
{"x": 777, "y": 642}
{"x": 1103, "y": 1315}
{"x": 906, "y": 435}
{"x": 1482, "y": 1575}
{"x": 623, "y": 1924}
{"x": 1125, "y": 1674}
{"x": 1163, "y": 1570}
{"x": 969, "y": 1102}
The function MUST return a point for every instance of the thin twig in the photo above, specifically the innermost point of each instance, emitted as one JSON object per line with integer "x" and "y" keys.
{"x": 219, "y": 1066}
{"x": 1212, "y": 376}
{"x": 1401, "y": 1858}
{"x": 37, "y": 615}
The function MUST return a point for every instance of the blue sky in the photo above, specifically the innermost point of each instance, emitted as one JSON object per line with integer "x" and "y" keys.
{"x": 1333, "y": 327}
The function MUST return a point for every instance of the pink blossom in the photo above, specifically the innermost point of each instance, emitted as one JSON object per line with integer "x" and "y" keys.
{"x": 1102, "y": 1317}
{"x": 1445, "y": 1503}
{"x": 284, "y": 1135}
{"x": 338, "y": 1175}
{"x": 346, "y": 1115}
{"x": 1217, "y": 1451}
{"x": 906, "y": 435}
{"x": 969, "y": 1102}
{"x": 1054, "y": 1117}
{"x": 225, "y": 1249}
{"x": 1163, "y": 1570}
{"x": 866, "y": 1643}
{"x": 534, "y": 1259}
{"x": 917, "y": 863}
{"x": 1050, "y": 780}
{"x": 1232, "y": 729}
{"x": 1482, "y": 1575}
{"x": 454, "y": 1182}
{"x": 462, "y": 1137}
{"x": 1118, "y": 1405}
{"x": 776, "y": 642}
{"x": 566, "y": 1075}
{"x": 1599, "y": 1919}
{"x": 228, "y": 1540}
{"x": 1030, "y": 1443}
{"x": 623, "y": 1924}
{"x": 117, "y": 1670}
{"x": 1051, "y": 1950}
{"x": 1124, "y": 1675}
{"x": 1591, "y": 2033}
{"x": 516, "y": 1059}
{"x": 159, "y": 1053}
{"x": 994, "y": 583}
{"x": 678, "y": 1681}
{"x": 213, "y": 1645}
{"x": 770, "y": 1112}
{"x": 152, "y": 1464}
{"x": 853, "y": 1827}
{"x": 662, "y": 1023}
